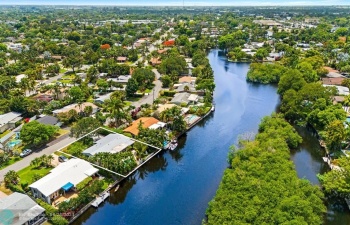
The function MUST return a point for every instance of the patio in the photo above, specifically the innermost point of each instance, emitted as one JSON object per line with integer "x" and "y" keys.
{"x": 64, "y": 197}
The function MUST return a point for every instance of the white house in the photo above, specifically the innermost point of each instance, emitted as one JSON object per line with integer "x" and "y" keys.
{"x": 61, "y": 179}
{"x": 112, "y": 143}
{"x": 20, "y": 209}
{"x": 9, "y": 120}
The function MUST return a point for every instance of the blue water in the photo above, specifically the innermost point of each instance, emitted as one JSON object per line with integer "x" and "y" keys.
{"x": 175, "y": 187}
{"x": 12, "y": 144}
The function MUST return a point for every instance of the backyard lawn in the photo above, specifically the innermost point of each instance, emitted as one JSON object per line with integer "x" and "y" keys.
{"x": 26, "y": 175}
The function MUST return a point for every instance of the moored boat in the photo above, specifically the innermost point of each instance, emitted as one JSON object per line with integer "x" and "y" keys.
{"x": 172, "y": 145}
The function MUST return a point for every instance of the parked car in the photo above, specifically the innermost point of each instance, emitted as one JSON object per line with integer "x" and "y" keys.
{"x": 25, "y": 152}
{"x": 62, "y": 158}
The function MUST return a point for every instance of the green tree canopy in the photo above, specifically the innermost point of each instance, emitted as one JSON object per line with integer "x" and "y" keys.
{"x": 36, "y": 134}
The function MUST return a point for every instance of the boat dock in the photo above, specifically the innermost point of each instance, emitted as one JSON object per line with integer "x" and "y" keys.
{"x": 100, "y": 199}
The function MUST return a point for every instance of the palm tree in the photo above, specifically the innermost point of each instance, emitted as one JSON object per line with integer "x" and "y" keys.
{"x": 141, "y": 150}
{"x": 57, "y": 90}
{"x": 11, "y": 177}
{"x": 35, "y": 162}
{"x": 88, "y": 110}
{"x": 49, "y": 160}
{"x": 115, "y": 106}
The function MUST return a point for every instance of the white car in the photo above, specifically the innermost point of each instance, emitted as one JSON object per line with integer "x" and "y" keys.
{"x": 25, "y": 152}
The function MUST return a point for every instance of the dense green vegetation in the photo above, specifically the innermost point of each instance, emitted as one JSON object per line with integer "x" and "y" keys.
{"x": 36, "y": 134}
{"x": 304, "y": 100}
{"x": 262, "y": 187}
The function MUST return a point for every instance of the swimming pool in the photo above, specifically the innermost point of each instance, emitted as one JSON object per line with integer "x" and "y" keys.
{"x": 13, "y": 143}
{"x": 191, "y": 118}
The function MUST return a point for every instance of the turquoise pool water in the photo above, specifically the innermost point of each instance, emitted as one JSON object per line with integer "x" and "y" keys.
{"x": 13, "y": 143}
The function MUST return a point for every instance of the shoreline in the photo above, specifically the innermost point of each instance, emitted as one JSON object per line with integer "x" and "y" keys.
{"x": 117, "y": 182}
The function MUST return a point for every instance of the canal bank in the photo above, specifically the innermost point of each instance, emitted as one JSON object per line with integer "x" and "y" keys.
{"x": 308, "y": 163}
{"x": 175, "y": 187}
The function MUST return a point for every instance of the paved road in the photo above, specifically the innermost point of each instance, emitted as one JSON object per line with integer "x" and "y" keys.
{"x": 26, "y": 161}
{"x": 149, "y": 98}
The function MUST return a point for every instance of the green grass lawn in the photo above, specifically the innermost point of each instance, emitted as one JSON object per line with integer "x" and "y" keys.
{"x": 61, "y": 132}
{"x": 26, "y": 175}
{"x": 106, "y": 182}
{"x": 62, "y": 70}
{"x": 10, "y": 162}
{"x": 68, "y": 77}
{"x": 66, "y": 81}
{"x": 133, "y": 99}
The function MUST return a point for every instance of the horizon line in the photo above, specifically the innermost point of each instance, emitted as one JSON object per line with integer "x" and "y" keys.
{"x": 177, "y": 5}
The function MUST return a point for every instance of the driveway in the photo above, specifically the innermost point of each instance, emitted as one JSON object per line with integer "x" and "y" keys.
{"x": 48, "y": 151}
{"x": 149, "y": 98}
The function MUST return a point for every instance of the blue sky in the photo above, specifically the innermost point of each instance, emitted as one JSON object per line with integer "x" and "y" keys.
{"x": 177, "y": 2}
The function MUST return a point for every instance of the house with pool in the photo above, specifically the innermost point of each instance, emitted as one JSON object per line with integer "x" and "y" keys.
{"x": 62, "y": 180}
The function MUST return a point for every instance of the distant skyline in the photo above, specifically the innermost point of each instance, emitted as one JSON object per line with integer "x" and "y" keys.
{"x": 178, "y": 2}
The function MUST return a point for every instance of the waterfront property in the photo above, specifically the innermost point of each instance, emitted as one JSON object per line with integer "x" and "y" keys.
{"x": 185, "y": 99}
{"x": 147, "y": 122}
{"x": 112, "y": 143}
{"x": 8, "y": 121}
{"x": 62, "y": 179}
{"x": 19, "y": 209}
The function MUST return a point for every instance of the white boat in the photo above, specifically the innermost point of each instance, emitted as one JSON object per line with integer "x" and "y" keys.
{"x": 172, "y": 145}
{"x": 212, "y": 108}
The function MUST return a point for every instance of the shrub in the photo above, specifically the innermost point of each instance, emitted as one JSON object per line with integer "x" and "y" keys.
{"x": 83, "y": 184}
{"x": 58, "y": 220}
{"x": 168, "y": 93}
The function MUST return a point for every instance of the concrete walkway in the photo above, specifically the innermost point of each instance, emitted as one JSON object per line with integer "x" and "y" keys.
{"x": 48, "y": 151}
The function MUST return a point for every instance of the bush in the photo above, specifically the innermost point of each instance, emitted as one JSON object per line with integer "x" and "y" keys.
{"x": 15, "y": 188}
{"x": 49, "y": 209}
{"x": 83, "y": 184}
{"x": 58, "y": 220}
{"x": 168, "y": 93}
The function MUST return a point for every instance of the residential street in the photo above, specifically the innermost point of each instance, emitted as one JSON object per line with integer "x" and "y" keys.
{"x": 149, "y": 98}
{"x": 26, "y": 161}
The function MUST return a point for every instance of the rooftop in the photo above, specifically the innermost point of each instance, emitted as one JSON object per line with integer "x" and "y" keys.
{"x": 73, "y": 171}
{"x": 333, "y": 80}
{"x": 146, "y": 123}
{"x": 112, "y": 143}
{"x": 180, "y": 98}
{"x": 187, "y": 79}
{"x": 21, "y": 207}
{"x": 48, "y": 120}
{"x": 8, "y": 117}
{"x": 341, "y": 90}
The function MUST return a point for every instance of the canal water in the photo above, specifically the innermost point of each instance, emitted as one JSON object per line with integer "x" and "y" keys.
{"x": 175, "y": 187}
{"x": 308, "y": 163}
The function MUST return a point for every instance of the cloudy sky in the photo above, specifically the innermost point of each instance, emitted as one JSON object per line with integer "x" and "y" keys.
{"x": 177, "y": 2}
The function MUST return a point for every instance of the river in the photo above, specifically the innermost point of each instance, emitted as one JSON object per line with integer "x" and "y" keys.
{"x": 175, "y": 187}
